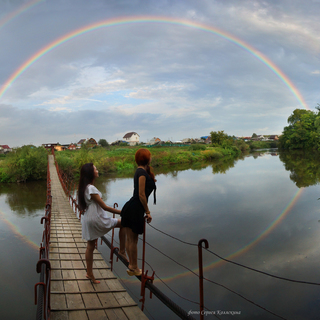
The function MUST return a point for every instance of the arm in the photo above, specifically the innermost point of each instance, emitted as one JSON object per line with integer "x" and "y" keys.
{"x": 96, "y": 198}
{"x": 143, "y": 198}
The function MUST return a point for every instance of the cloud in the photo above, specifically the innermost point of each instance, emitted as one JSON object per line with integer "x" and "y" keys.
{"x": 159, "y": 78}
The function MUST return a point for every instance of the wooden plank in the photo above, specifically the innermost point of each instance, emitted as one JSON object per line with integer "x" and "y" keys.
{"x": 134, "y": 313}
{"x": 107, "y": 299}
{"x": 91, "y": 300}
{"x": 78, "y": 315}
{"x": 58, "y": 301}
{"x": 116, "y": 314}
{"x": 57, "y": 286}
{"x": 123, "y": 298}
{"x": 59, "y": 315}
{"x": 97, "y": 315}
{"x": 74, "y": 301}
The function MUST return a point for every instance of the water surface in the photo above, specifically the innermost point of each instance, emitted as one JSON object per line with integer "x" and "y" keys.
{"x": 261, "y": 211}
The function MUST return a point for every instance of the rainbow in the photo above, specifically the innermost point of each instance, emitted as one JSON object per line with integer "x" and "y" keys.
{"x": 155, "y": 19}
{"x": 15, "y": 231}
{"x": 18, "y": 11}
{"x": 242, "y": 250}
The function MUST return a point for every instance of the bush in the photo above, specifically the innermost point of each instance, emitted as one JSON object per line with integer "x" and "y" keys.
{"x": 211, "y": 154}
{"x": 197, "y": 147}
{"x": 25, "y": 163}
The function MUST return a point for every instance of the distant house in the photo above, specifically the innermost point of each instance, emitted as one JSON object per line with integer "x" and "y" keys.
{"x": 273, "y": 137}
{"x": 59, "y": 148}
{"x": 204, "y": 137}
{"x": 5, "y": 148}
{"x": 89, "y": 142}
{"x": 132, "y": 138}
{"x": 72, "y": 147}
{"x": 186, "y": 140}
{"x": 154, "y": 140}
{"x": 49, "y": 145}
{"x": 208, "y": 140}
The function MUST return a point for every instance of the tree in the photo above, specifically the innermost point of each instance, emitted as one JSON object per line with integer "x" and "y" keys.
{"x": 103, "y": 143}
{"x": 219, "y": 138}
{"x": 303, "y": 131}
{"x": 254, "y": 135}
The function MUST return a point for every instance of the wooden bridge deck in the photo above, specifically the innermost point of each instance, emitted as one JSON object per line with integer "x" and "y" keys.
{"x": 73, "y": 296}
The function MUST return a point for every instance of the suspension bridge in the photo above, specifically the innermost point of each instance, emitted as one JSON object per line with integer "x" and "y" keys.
{"x": 64, "y": 292}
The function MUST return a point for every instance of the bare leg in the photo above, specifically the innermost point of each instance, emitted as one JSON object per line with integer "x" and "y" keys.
{"x": 122, "y": 238}
{"x": 89, "y": 261}
{"x": 132, "y": 249}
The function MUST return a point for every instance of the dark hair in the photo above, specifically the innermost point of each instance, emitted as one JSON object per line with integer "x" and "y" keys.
{"x": 86, "y": 177}
{"x": 142, "y": 158}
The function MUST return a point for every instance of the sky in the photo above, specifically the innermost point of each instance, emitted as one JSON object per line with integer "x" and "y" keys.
{"x": 74, "y": 69}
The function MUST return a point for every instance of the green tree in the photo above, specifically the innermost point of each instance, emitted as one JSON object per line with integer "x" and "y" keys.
{"x": 254, "y": 135}
{"x": 303, "y": 131}
{"x": 103, "y": 143}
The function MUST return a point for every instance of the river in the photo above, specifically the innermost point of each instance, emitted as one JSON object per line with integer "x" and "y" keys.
{"x": 261, "y": 211}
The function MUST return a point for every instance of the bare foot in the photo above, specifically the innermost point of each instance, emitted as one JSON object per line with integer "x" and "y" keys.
{"x": 92, "y": 279}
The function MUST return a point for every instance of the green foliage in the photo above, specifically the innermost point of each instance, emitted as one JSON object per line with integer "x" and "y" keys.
{"x": 304, "y": 166}
{"x": 197, "y": 147}
{"x": 212, "y": 154}
{"x": 218, "y": 137}
{"x": 24, "y": 164}
{"x": 103, "y": 143}
{"x": 262, "y": 144}
{"x": 303, "y": 131}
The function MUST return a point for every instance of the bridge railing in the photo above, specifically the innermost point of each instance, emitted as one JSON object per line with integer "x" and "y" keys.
{"x": 146, "y": 280}
{"x": 42, "y": 288}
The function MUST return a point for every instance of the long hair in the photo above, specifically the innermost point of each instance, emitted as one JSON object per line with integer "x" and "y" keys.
{"x": 86, "y": 177}
{"x": 142, "y": 158}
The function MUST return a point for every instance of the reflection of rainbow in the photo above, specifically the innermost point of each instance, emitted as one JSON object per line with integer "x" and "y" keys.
{"x": 155, "y": 19}
{"x": 18, "y": 11}
{"x": 247, "y": 247}
{"x": 15, "y": 230}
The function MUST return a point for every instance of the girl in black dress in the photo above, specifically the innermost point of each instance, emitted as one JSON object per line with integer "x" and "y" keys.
{"x": 132, "y": 214}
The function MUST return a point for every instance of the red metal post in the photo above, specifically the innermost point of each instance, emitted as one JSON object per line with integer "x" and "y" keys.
{"x": 201, "y": 274}
{"x": 115, "y": 205}
{"x": 144, "y": 276}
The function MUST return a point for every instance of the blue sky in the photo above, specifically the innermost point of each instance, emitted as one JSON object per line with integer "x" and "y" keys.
{"x": 156, "y": 79}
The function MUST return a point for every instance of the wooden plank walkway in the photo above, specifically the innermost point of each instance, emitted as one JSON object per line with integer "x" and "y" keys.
{"x": 73, "y": 296}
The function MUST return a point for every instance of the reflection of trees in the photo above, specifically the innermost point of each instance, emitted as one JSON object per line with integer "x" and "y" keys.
{"x": 25, "y": 198}
{"x": 303, "y": 165}
{"x": 223, "y": 165}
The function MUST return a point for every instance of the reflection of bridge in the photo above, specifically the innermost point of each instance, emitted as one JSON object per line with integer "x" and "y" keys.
{"x": 64, "y": 292}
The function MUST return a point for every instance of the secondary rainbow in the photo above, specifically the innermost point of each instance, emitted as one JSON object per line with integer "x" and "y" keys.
{"x": 14, "y": 229}
{"x": 155, "y": 19}
{"x": 18, "y": 11}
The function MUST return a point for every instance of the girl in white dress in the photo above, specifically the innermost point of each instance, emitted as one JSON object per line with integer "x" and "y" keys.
{"x": 95, "y": 221}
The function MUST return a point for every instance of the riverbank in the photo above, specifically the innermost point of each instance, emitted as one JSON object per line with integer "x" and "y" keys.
{"x": 121, "y": 159}
{"x": 29, "y": 163}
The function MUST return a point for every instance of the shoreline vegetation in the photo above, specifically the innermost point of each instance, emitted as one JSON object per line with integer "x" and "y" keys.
{"x": 29, "y": 163}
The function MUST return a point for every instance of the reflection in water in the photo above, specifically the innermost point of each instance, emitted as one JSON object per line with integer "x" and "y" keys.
{"x": 249, "y": 211}
{"x": 303, "y": 165}
{"x": 25, "y": 198}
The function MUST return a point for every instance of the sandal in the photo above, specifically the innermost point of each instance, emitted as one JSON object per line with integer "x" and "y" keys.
{"x": 134, "y": 272}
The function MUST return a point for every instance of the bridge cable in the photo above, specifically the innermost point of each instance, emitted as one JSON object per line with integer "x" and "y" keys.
{"x": 238, "y": 294}
{"x": 239, "y": 264}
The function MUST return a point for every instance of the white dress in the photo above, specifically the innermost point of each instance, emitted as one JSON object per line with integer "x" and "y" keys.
{"x": 95, "y": 221}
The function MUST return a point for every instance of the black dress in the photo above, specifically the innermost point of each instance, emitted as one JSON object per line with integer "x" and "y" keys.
{"x": 132, "y": 213}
